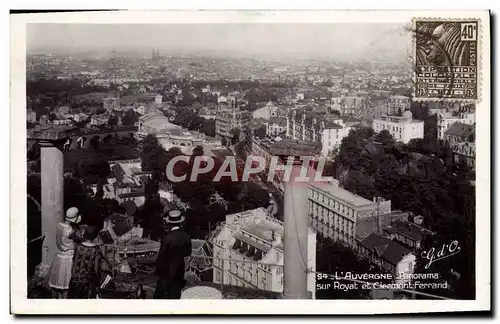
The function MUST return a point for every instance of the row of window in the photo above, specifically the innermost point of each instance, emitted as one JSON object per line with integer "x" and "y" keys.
{"x": 328, "y": 215}
{"x": 317, "y": 223}
{"x": 335, "y": 235}
{"x": 331, "y": 203}
{"x": 239, "y": 277}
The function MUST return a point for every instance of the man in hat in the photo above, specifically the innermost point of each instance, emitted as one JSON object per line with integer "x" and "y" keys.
{"x": 170, "y": 266}
{"x": 60, "y": 270}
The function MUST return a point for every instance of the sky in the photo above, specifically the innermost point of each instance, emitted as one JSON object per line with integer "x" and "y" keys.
{"x": 361, "y": 41}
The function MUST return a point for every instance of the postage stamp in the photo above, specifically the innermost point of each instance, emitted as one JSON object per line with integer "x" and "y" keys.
{"x": 446, "y": 59}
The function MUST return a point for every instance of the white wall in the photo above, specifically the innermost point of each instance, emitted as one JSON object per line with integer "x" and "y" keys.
{"x": 311, "y": 262}
{"x": 406, "y": 266}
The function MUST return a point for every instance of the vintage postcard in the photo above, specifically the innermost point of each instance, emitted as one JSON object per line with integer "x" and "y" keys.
{"x": 331, "y": 161}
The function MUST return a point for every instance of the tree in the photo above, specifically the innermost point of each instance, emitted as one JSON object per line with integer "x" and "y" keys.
{"x": 91, "y": 170}
{"x": 94, "y": 142}
{"x": 130, "y": 118}
{"x": 260, "y": 132}
{"x": 153, "y": 156}
{"x": 150, "y": 216}
{"x": 235, "y": 135}
{"x": 360, "y": 184}
{"x": 421, "y": 178}
{"x": 112, "y": 121}
{"x": 208, "y": 127}
{"x": 384, "y": 137}
{"x": 332, "y": 257}
{"x": 430, "y": 127}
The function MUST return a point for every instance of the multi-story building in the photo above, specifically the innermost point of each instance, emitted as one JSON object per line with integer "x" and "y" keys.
{"x": 461, "y": 138}
{"x": 276, "y": 125}
{"x": 248, "y": 251}
{"x": 154, "y": 123}
{"x": 353, "y": 105}
{"x": 388, "y": 255}
{"x": 408, "y": 233}
{"x": 225, "y": 121}
{"x": 110, "y": 103}
{"x": 335, "y": 212}
{"x": 402, "y": 128}
{"x": 397, "y": 104}
{"x": 315, "y": 127}
{"x": 446, "y": 119}
{"x": 31, "y": 116}
{"x": 265, "y": 112}
{"x": 44, "y": 120}
{"x": 98, "y": 120}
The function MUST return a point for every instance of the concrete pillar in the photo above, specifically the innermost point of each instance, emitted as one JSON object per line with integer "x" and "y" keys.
{"x": 295, "y": 235}
{"x": 52, "y": 198}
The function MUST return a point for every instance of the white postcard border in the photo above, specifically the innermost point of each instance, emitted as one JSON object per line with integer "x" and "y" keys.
{"x": 21, "y": 305}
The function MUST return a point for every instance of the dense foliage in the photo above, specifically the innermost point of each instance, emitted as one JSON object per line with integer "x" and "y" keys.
{"x": 202, "y": 213}
{"x": 189, "y": 119}
{"x": 421, "y": 178}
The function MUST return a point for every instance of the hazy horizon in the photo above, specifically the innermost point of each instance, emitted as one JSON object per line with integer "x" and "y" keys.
{"x": 337, "y": 41}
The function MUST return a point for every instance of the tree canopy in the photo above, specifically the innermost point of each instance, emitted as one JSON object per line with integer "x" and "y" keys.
{"x": 420, "y": 178}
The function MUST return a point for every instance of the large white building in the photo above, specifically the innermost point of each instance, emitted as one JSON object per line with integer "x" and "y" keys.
{"x": 336, "y": 213}
{"x": 314, "y": 127}
{"x": 402, "y": 128}
{"x": 154, "y": 122}
{"x": 265, "y": 112}
{"x": 225, "y": 121}
{"x": 248, "y": 252}
{"x": 170, "y": 135}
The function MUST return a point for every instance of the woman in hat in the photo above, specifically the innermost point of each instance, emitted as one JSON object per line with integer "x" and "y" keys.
{"x": 60, "y": 270}
{"x": 90, "y": 267}
{"x": 170, "y": 266}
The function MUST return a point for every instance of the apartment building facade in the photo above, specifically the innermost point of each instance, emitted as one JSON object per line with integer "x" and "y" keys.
{"x": 248, "y": 251}
{"x": 335, "y": 212}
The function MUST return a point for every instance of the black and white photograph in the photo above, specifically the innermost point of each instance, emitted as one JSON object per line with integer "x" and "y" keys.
{"x": 195, "y": 156}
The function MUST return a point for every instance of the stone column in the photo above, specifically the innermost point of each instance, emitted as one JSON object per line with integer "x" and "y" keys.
{"x": 52, "y": 198}
{"x": 296, "y": 235}
{"x": 296, "y": 212}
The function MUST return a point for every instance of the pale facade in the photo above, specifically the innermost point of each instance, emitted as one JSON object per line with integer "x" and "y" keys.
{"x": 445, "y": 120}
{"x": 329, "y": 130}
{"x": 266, "y": 112}
{"x": 248, "y": 252}
{"x": 110, "y": 103}
{"x": 31, "y": 116}
{"x": 402, "y": 129}
{"x": 334, "y": 212}
{"x": 398, "y": 104}
{"x": 225, "y": 121}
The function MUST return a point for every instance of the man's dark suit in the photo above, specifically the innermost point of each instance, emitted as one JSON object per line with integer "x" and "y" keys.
{"x": 170, "y": 265}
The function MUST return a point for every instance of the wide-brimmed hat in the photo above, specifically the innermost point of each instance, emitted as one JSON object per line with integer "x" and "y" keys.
{"x": 174, "y": 217}
{"x": 72, "y": 214}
